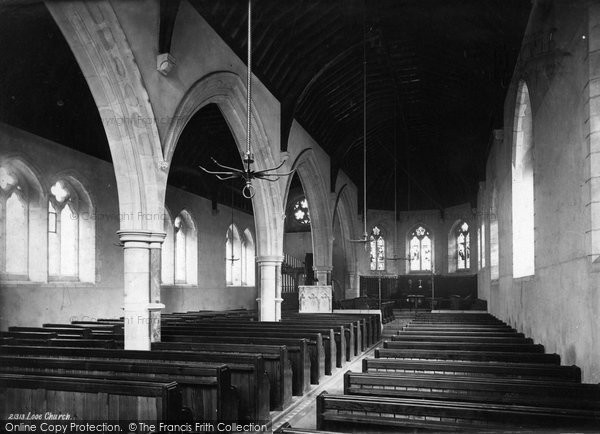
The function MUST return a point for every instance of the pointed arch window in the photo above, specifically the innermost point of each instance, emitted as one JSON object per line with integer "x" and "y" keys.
{"x": 14, "y": 208}
{"x": 63, "y": 232}
{"x": 248, "y": 259}
{"x": 463, "y": 247}
{"x": 167, "y": 253}
{"x": 420, "y": 249}
{"x": 377, "y": 244}
{"x": 180, "y": 230}
{"x": 523, "y": 195}
{"x": 233, "y": 257}
{"x": 71, "y": 236}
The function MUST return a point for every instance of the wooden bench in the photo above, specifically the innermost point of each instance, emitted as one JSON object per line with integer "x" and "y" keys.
{"x": 297, "y": 351}
{"x": 206, "y": 389}
{"x": 459, "y": 338}
{"x": 443, "y": 333}
{"x": 486, "y": 390}
{"x": 61, "y": 332}
{"x": 479, "y": 356}
{"x": 333, "y": 341}
{"x": 286, "y": 428}
{"x": 342, "y": 412}
{"x": 277, "y": 364}
{"x": 314, "y": 341}
{"x": 91, "y": 399}
{"x": 464, "y": 346}
{"x": 247, "y": 370}
{"x": 526, "y": 371}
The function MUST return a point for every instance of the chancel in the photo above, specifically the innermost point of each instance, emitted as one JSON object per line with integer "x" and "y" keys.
{"x": 300, "y": 217}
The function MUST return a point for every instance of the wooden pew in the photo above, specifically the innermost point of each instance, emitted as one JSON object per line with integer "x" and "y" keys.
{"x": 479, "y": 356}
{"x": 317, "y": 353}
{"x": 61, "y": 332}
{"x": 206, "y": 389}
{"x": 247, "y": 370}
{"x": 277, "y": 364}
{"x": 526, "y": 371}
{"x": 469, "y": 389}
{"x": 459, "y": 338}
{"x": 91, "y": 399}
{"x": 286, "y": 428}
{"x": 320, "y": 358}
{"x": 384, "y": 413}
{"x": 297, "y": 351}
{"x": 334, "y": 341}
{"x": 442, "y": 333}
{"x": 464, "y": 346}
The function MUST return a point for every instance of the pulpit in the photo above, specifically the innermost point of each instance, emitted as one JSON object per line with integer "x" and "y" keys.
{"x": 314, "y": 299}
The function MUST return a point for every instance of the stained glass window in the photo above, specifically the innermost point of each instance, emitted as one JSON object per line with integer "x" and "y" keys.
{"x": 300, "y": 212}
{"x": 463, "y": 247}
{"x": 420, "y": 249}
{"x": 377, "y": 243}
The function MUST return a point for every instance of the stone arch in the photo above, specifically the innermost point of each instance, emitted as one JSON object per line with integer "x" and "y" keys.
{"x": 314, "y": 186}
{"x": 100, "y": 46}
{"x": 344, "y": 210}
{"x": 228, "y": 91}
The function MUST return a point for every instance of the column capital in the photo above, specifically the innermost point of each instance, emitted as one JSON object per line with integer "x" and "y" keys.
{"x": 132, "y": 238}
{"x": 269, "y": 259}
{"x": 325, "y": 268}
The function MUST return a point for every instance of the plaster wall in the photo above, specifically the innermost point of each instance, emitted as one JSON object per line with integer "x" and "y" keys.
{"x": 558, "y": 305}
{"x": 34, "y": 303}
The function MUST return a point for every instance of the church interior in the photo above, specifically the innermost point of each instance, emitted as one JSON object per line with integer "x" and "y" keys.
{"x": 300, "y": 217}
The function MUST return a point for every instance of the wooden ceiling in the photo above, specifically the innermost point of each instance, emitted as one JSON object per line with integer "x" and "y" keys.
{"x": 437, "y": 75}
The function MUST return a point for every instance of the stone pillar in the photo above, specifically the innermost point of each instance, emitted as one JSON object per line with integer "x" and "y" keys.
{"x": 353, "y": 288}
{"x": 323, "y": 274}
{"x": 269, "y": 301}
{"x": 141, "y": 305}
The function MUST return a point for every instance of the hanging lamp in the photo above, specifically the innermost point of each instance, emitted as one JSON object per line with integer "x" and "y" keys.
{"x": 247, "y": 174}
{"x": 365, "y": 235}
{"x": 396, "y": 245}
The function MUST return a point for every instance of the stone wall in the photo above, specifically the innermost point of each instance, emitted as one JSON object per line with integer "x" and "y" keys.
{"x": 558, "y": 305}
{"x": 33, "y": 303}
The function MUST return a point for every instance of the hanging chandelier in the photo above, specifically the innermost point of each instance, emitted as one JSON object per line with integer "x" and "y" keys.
{"x": 365, "y": 236}
{"x": 247, "y": 174}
